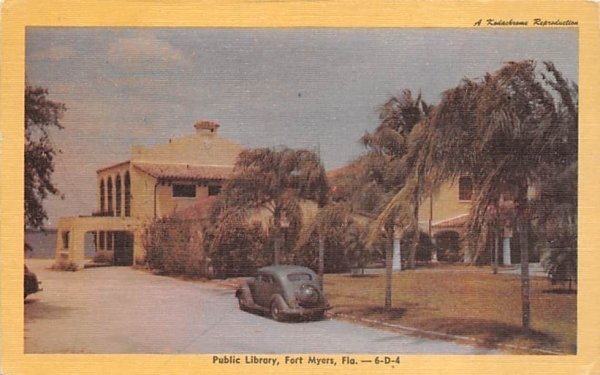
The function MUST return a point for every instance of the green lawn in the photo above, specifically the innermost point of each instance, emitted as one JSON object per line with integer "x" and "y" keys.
{"x": 463, "y": 301}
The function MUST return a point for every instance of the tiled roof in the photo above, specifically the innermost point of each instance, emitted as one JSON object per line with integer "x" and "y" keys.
{"x": 112, "y": 166}
{"x": 454, "y": 222}
{"x": 185, "y": 171}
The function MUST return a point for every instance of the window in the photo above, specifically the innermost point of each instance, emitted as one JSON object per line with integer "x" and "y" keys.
{"x": 465, "y": 188}
{"x": 118, "y": 195}
{"x": 65, "y": 239}
{"x": 110, "y": 240}
{"x": 127, "y": 194}
{"x": 102, "y": 197}
{"x": 109, "y": 188}
{"x": 299, "y": 277}
{"x": 101, "y": 241}
{"x": 184, "y": 191}
{"x": 214, "y": 190}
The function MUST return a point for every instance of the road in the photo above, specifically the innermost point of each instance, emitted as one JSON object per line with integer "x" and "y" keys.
{"x": 122, "y": 310}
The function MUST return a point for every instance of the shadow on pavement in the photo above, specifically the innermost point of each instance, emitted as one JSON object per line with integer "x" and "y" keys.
{"x": 36, "y": 309}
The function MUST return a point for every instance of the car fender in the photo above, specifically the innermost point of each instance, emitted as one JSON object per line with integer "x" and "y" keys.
{"x": 244, "y": 293}
{"x": 277, "y": 298}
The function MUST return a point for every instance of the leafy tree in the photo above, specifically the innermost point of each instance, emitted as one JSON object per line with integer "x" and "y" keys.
{"x": 276, "y": 180}
{"x": 41, "y": 114}
{"x": 510, "y": 130}
{"x": 235, "y": 246}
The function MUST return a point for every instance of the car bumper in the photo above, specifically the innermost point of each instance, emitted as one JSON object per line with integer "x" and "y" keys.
{"x": 305, "y": 311}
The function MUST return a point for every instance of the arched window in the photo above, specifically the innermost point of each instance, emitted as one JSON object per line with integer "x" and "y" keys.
{"x": 109, "y": 187}
{"x": 102, "y": 195}
{"x": 127, "y": 194}
{"x": 118, "y": 196}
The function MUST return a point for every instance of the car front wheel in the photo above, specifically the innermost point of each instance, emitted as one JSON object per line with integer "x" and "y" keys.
{"x": 276, "y": 313}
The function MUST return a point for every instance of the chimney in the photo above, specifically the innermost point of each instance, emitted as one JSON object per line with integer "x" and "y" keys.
{"x": 206, "y": 127}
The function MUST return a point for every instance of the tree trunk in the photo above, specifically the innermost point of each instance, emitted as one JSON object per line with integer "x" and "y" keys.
{"x": 523, "y": 244}
{"x": 388, "y": 271}
{"x": 321, "y": 259}
{"x": 496, "y": 245}
{"x": 276, "y": 243}
{"x": 412, "y": 255}
{"x": 277, "y": 234}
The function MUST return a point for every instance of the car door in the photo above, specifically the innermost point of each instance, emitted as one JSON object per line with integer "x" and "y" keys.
{"x": 261, "y": 289}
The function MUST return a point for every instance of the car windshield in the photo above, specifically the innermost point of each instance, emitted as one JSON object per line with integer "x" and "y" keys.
{"x": 299, "y": 276}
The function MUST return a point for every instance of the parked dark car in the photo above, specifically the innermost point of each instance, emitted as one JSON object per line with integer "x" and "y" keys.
{"x": 31, "y": 283}
{"x": 284, "y": 291}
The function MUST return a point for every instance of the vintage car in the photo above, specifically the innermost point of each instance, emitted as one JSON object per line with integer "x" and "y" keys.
{"x": 31, "y": 283}
{"x": 284, "y": 291}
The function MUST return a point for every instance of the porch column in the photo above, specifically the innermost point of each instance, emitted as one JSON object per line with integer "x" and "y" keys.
{"x": 396, "y": 258}
{"x": 506, "y": 251}
{"x": 434, "y": 258}
{"x": 506, "y": 245}
{"x": 76, "y": 246}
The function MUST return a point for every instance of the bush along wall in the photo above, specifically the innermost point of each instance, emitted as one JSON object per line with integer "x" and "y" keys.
{"x": 236, "y": 247}
{"x": 175, "y": 247}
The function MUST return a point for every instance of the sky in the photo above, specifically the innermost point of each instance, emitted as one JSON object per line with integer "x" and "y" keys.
{"x": 302, "y": 88}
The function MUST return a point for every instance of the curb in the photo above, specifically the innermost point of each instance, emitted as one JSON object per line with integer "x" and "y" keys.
{"x": 440, "y": 334}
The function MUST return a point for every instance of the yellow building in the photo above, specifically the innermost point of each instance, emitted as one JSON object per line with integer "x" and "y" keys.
{"x": 154, "y": 182}
{"x": 444, "y": 215}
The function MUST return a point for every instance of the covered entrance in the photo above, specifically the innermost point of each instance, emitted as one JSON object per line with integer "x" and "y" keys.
{"x": 116, "y": 235}
{"x": 123, "y": 248}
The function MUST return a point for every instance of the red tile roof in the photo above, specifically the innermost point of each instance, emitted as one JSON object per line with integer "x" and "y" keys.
{"x": 454, "y": 222}
{"x": 112, "y": 166}
{"x": 185, "y": 171}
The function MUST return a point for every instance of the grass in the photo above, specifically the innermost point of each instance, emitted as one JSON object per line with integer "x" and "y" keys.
{"x": 462, "y": 301}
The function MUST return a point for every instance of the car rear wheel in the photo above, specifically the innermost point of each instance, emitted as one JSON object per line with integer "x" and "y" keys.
{"x": 276, "y": 312}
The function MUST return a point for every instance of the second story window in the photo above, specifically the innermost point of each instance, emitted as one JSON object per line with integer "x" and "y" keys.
{"x": 184, "y": 191}
{"x": 118, "y": 195}
{"x": 465, "y": 188}
{"x": 109, "y": 195}
{"x": 102, "y": 196}
{"x": 127, "y": 194}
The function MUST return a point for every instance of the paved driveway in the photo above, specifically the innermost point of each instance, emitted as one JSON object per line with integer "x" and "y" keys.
{"x": 121, "y": 310}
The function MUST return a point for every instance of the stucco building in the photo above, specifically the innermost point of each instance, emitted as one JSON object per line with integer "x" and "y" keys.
{"x": 444, "y": 216}
{"x": 154, "y": 182}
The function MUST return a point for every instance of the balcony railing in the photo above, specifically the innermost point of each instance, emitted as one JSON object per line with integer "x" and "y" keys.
{"x": 103, "y": 213}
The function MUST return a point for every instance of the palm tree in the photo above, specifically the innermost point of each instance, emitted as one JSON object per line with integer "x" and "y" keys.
{"x": 390, "y": 143}
{"x": 508, "y": 131}
{"x": 277, "y": 180}
{"x": 334, "y": 240}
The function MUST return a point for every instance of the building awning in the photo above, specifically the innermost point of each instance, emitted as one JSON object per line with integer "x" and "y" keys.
{"x": 185, "y": 172}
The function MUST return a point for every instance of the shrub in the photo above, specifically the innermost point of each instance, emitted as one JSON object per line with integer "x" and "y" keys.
{"x": 174, "y": 246}
{"x": 344, "y": 241}
{"x": 561, "y": 265}
{"x": 424, "y": 247}
{"x": 64, "y": 265}
{"x": 104, "y": 256}
{"x": 448, "y": 244}
{"x": 237, "y": 248}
